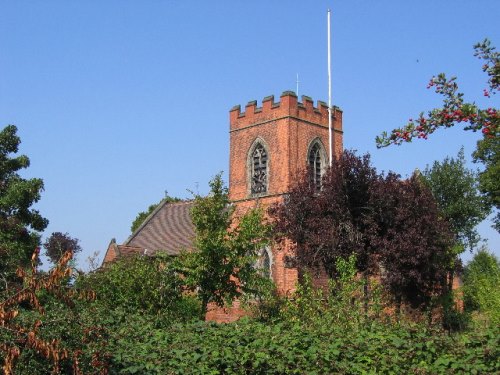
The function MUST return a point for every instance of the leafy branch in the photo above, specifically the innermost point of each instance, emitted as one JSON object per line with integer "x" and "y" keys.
{"x": 454, "y": 110}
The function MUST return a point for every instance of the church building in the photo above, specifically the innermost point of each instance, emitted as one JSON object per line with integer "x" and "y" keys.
{"x": 269, "y": 145}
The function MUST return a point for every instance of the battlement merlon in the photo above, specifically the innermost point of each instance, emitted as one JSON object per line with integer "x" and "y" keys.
{"x": 288, "y": 106}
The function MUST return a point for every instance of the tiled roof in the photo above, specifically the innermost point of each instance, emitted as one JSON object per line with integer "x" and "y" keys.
{"x": 169, "y": 228}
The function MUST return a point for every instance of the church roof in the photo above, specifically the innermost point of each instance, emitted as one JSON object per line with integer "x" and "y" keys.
{"x": 168, "y": 228}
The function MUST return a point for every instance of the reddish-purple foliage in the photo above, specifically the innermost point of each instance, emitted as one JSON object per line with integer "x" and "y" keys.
{"x": 58, "y": 243}
{"x": 331, "y": 222}
{"x": 391, "y": 225}
{"x": 412, "y": 242}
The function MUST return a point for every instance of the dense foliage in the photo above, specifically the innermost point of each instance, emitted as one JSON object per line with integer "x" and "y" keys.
{"x": 413, "y": 242}
{"x": 19, "y": 223}
{"x": 140, "y": 285}
{"x": 58, "y": 243}
{"x": 393, "y": 227}
{"x": 307, "y": 334}
{"x": 141, "y": 321}
{"x": 249, "y": 347}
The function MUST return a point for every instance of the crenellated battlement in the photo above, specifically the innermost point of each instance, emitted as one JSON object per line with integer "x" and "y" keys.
{"x": 288, "y": 106}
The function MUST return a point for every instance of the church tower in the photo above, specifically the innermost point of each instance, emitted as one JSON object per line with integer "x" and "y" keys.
{"x": 269, "y": 146}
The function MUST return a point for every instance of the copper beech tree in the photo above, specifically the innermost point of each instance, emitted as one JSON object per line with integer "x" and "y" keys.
{"x": 57, "y": 244}
{"x": 391, "y": 225}
{"x": 334, "y": 221}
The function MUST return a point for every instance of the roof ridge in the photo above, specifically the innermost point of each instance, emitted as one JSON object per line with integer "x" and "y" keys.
{"x": 181, "y": 202}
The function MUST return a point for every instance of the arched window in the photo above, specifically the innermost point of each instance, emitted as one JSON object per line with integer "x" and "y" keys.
{"x": 264, "y": 263}
{"x": 315, "y": 165}
{"x": 259, "y": 170}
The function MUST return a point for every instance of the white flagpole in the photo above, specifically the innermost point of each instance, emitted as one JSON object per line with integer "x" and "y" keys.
{"x": 329, "y": 92}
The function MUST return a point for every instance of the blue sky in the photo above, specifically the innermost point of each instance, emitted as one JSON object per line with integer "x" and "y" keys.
{"x": 118, "y": 101}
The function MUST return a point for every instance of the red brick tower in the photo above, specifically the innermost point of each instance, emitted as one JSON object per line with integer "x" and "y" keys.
{"x": 269, "y": 145}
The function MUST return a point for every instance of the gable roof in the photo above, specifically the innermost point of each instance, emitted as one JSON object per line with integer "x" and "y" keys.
{"x": 168, "y": 228}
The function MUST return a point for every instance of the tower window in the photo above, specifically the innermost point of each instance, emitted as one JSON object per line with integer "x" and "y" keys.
{"x": 259, "y": 170}
{"x": 315, "y": 166}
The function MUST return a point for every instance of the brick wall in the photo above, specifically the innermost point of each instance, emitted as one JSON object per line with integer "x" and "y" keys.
{"x": 287, "y": 128}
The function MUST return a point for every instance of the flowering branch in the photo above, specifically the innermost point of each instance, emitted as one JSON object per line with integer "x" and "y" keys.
{"x": 454, "y": 110}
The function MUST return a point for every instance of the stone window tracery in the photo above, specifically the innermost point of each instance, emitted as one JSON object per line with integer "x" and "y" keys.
{"x": 315, "y": 165}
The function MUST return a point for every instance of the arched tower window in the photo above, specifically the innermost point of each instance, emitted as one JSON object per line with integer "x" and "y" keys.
{"x": 259, "y": 175}
{"x": 316, "y": 165}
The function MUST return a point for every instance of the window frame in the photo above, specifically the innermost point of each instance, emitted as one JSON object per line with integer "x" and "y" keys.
{"x": 316, "y": 143}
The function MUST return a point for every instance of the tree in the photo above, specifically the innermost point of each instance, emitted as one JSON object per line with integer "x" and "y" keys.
{"x": 480, "y": 285}
{"x": 141, "y": 216}
{"x": 456, "y": 111}
{"x": 334, "y": 222}
{"x": 488, "y": 153}
{"x": 222, "y": 266}
{"x": 412, "y": 240}
{"x": 455, "y": 189}
{"x": 58, "y": 243}
{"x": 391, "y": 226}
{"x": 19, "y": 223}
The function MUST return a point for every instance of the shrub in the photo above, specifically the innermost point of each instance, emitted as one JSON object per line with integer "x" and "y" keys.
{"x": 140, "y": 285}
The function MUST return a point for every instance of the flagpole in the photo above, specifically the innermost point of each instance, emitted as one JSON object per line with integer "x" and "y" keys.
{"x": 329, "y": 92}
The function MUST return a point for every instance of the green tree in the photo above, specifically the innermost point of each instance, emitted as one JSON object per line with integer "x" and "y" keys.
{"x": 455, "y": 189}
{"x": 481, "y": 283}
{"x": 488, "y": 153}
{"x": 19, "y": 223}
{"x": 141, "y": 216}
{"x": 222, "y": 267}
